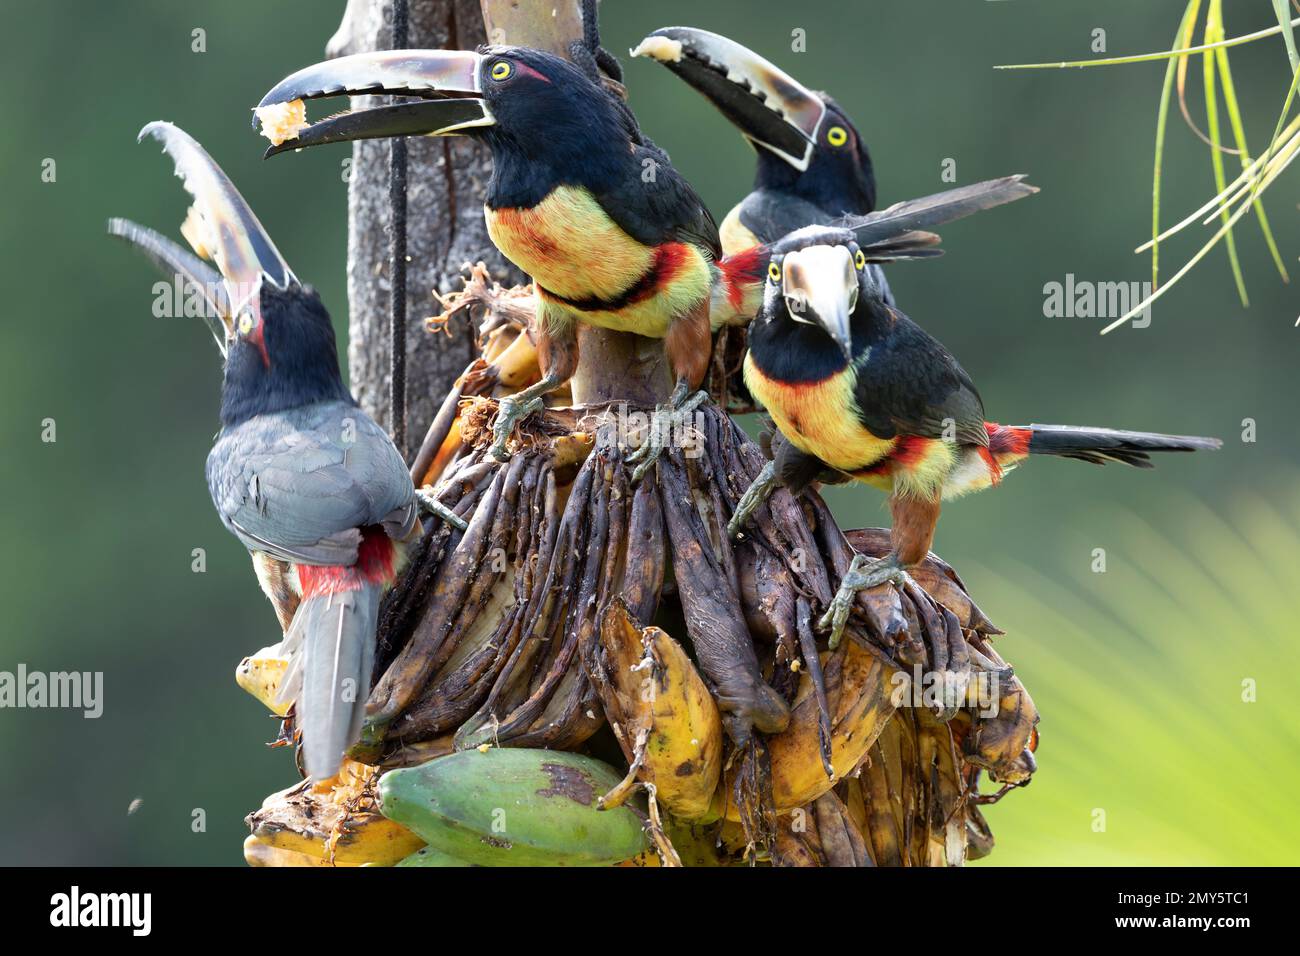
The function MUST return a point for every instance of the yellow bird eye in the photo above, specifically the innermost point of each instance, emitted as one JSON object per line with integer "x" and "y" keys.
{"x": 774, "y": 272}
{"x": 837, "y": 136}
{"x": 245, "y": 324}
{"x": 860, "y": 260}
{"x": 500, "y": 70}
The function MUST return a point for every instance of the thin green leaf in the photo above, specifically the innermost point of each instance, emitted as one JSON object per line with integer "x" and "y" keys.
{"x": 1243, "y": 150}
{"x": 1147, "y": 57}
{"x": 1277, "y": 166}
{"x": 1181, "y": 40}
{"x": 1281, "y": 159}
{"x": 1288, "y": 32}
{"x": 1238, "y": 187}
{"x": 1213, "y": 32}
{"x": 1286, "y": 109}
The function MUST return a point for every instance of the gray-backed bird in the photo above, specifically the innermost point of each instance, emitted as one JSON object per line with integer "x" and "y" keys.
{"x": 299, "y": 473}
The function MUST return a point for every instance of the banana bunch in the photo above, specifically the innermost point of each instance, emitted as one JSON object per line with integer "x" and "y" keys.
{"x": 738, "y": 735}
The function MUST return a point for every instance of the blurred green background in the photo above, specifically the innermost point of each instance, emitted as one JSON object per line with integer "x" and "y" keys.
{"x": 1138, "y": 672}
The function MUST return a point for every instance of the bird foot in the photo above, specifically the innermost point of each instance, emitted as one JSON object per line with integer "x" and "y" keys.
{"x": 512, "y": 410}
{"x": 863, "y": 574}
{"x": 432, "y": 506}
{"x": 666, "y": 422}
{"x": 752, "y": 499}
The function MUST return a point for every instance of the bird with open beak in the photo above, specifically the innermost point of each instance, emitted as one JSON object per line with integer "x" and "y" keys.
{"x": 611, "y": 234}
{"x": 859, "y": 391}
{"x": 812, "y": 164}
{"x": 311, "y": 486}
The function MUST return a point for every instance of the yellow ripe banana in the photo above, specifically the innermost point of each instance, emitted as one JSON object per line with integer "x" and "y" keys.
{"x": 497, "y": 341}
{"x": 260, "y": 674}
{"x": 443, "y": 456}
{"x": 663, "y": 714}
{"x": 333, "y": 822}
{"x": 517, "y": 365}
{"x": 257, "y": 853}
{"x": 858, "y": 686}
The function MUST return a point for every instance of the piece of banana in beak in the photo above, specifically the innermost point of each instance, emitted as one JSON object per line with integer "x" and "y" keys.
{"x": 281, "y": 122}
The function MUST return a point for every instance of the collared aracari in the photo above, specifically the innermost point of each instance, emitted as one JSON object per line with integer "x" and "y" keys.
{"x": 859, "y": 391}
{"x": 299, "y": 473}
{"x": 611, "y": 234}
{"x": 812, "y": 164}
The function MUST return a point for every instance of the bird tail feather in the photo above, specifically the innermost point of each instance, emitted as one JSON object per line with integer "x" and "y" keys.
{"x": 1010, "y": 444}
{"x": 331, "y": 643}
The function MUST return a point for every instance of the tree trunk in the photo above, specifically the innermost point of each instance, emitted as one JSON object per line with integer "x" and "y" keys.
{"x": 445, "y": 229}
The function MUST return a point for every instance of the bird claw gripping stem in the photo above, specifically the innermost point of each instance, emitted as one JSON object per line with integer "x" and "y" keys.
{"x": 863, "y": 574}
{"x": 666, "y": 423}
{"x": 752, "y": 500}
{"x": 513, "y": 409}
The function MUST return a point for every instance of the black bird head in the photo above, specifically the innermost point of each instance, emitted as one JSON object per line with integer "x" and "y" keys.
{"x": 806, "y": 144}
{"x": 531, "y": 107}
{"x": 274, "y": 333}
{"x": 816, "y": 280}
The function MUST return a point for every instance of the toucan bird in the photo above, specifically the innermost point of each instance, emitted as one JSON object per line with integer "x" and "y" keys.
{"x": 299, "y": 473}
{"x": 860, "y": 391}
{"x": 611, "y": 234}
{"x": 812, "y": 164}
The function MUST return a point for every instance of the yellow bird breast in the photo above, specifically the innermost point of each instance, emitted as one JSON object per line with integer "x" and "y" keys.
{"x": 735, "y": 235}
{"x": 577, "y": 254}
{"x": 819, "y": 418}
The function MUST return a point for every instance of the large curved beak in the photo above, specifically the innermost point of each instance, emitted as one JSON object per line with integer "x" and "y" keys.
{"x": 197, "y": 278}
{"x": 221, "y": 227}
{"x": 770, "y": 107}
{"x": 820, "y": 285}
{"x": 447, "y": 81}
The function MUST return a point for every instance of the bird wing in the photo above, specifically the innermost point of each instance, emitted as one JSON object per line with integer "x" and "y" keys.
{"x": 300, "y": 484}
{"x": 657, "y": 204}
{"x": 769, "y": 214}
{"x": 909, "y": 384}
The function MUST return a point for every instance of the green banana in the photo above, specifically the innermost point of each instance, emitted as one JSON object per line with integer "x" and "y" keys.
{"x": 514, "y": 807}
{"x": 428, "y": 856}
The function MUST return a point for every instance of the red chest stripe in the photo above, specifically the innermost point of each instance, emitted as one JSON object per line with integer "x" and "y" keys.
{"x": 743, "y": 269}
{"x": 664, "y": 270}
{"x": 907, "y": 451}
{"x": 374, "y": 566}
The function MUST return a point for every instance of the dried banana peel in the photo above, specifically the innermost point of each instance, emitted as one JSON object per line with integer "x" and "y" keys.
{"x": 333, "y": 823}
{"x": 1003, "y": 743}
{"x": 857, "y": 688}
{"x": 822, "y": 834}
